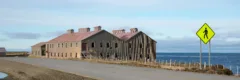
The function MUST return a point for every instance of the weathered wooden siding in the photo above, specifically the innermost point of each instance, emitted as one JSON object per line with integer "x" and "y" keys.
{"x": 142, "y": 46}
{"x": 108, "y": 49}
{"x": 138, "y": 48}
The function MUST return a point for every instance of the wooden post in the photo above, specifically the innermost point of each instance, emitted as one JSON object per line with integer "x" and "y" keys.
{"x": 230, "y": 67}
{"x": 163, "y": 62}
{"x": 179, "y": 63}
{"x": 204, "y": 65}
{"x": 175, "y": 63}
{"x": 166, "y": 62}
{"x": 189, "y": 65}
{"x": 170, "y": 63}
{"x": 237, "y": 71}
{"x": 185, "y": 64}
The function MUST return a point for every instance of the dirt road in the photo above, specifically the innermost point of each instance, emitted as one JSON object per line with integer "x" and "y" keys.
{"x": 20, "y": 71}
{"x": 117, "y": 72}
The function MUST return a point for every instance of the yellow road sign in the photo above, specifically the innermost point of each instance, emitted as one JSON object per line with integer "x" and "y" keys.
{"x": 205, "y": 33}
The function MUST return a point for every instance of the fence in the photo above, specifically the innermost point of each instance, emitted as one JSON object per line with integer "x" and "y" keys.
{"x": 167, "y": 64}
{"x": 189, "y": 65}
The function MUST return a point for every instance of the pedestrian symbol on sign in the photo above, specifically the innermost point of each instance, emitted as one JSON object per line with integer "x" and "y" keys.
{"x": 205, "y": 33}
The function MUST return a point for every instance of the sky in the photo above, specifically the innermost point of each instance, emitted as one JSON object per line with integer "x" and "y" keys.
{"x": 172, "y": 23}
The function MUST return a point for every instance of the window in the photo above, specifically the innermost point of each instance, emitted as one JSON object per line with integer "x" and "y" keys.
{"x": 76, "y": 44}
{"x": 52, "y": 45}
{"x": 93, "y": 45}
{"x": 130, "y": 57}
{"x": 140, "y": 45}
{"x": 62, "y": 54}
{"x": 66, "y": 45}
{"x": 129, "y": 45}
{"x": 71, "y": 45}
{"x": 108, "y": 45}
{"x": 148, "y": 57}
{"x": 116, "y": 45}
{"x": 101, "y": 45}
{"x": 70, "y": 54}
{"x": 62, "y": 44}
{"x": 107, "y": 55}
{"x": 66, "y": 55}
{"x": 58, "y": 45}
{"x": 101, "y": 54}
{"x": 58, "y": 54}
{"x": 76, "y": 55}
{"x": 140, "y": 56}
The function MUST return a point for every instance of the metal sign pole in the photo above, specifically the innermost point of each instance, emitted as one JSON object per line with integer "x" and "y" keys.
{"x": 209, "y": 53}
{"x": 200, "y": 54}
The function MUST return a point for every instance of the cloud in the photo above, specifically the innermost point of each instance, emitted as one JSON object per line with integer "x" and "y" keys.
{"x": 192, "y": 44}
{"x": 53, "y": 34}
{"x": 117, "y": 4}
{"x": 21, "y": 35}
{"x": 3, "y": 39}
{"x": 172, "y": 23}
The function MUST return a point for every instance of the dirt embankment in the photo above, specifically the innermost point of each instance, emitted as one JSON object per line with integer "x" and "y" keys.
{"x": 20, "y": 71}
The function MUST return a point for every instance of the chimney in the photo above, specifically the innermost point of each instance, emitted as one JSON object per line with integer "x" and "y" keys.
{"x": 84, "y": 30}
{"x": 97, "y": 28}
{"x": 70, "y": 31}
{"x": 118, "y": 31}
{"x": 133, "y": 30}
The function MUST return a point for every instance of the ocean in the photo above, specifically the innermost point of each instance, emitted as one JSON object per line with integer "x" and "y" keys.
{"x": 226, "y": 59}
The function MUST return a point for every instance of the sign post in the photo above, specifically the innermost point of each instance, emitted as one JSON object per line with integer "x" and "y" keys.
{"x": 205, "y": 33}
{"x": 200, "y": 54}
{"x": 209, "y": 53}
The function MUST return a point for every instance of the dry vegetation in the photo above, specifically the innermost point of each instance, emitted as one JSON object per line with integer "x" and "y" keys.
{"x": 194, "y": 67}
{"x": 216, "y": 69}
{"x": 20, "y": 71}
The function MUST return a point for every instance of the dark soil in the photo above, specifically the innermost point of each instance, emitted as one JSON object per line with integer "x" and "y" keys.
{"x": 20, "y": 71}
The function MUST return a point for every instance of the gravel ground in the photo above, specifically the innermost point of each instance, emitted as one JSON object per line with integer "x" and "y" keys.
{"x": 20, "y": 71}
{"x": 117, "y": 72}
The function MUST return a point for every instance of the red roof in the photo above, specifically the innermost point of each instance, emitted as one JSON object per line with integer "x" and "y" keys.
{"x": 39, "y": 44}
{"x": 2, "y": 49}
{"x": 125, "y": 36}
{"x": 77, "y": 36}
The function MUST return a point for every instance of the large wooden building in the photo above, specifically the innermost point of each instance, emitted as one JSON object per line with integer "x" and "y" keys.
{"x": 133, "y": 45}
